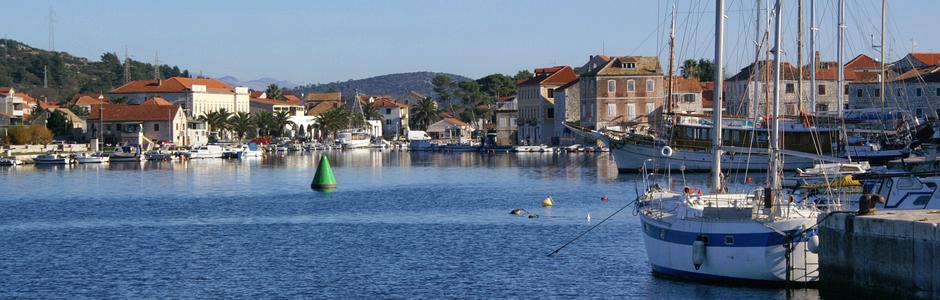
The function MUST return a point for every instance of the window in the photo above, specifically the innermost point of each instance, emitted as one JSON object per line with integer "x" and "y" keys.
{"x": 650, "y": 85}
{"x": 628, "y": 65}
{"x": 790, "y": 89}
{"x": 631, "y": 111}
{"x": 821, "y": 89}
{"x": 611, "y": 109}
{"x": 388, "y": 111}
{"x": 388, "y": 122}
{"x": 858, "y": 92}
{"x": 631, "y": 85}
{"x": 688, "y": 98}
{"x": 822, "y": 107}
{"x": 919, "y": 92}
{"x": 551, "y": 113}
{"x": 611, "y": 86}
{"x": 156, "y": 127}
{"x": 551, "y": 93}
{"x": 650, "y": 108}
{"x": 876, "y": 92}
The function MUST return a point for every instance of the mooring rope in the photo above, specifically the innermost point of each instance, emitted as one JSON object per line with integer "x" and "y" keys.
{"x": 592, "y": 227}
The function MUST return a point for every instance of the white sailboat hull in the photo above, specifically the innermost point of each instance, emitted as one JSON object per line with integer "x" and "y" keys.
{"x": 755, "y": 254}
{"x": 630, "y": 158}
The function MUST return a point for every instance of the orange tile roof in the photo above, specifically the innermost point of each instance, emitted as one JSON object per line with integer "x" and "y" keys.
{"x": 862, "y": 61}
{"x": 325, "y": 96}
{"x": 88, "y": 100}
{"x": 5, "y": 90}
{"x": 457, "y": 122}
{"x": 385, "y": 102}
{"x": 255, "y": 94}
{"x": 927, "y": 58}
{"x": 156, "y": 101}
{"x": 320, "y": 108}
{"x": 132, "y": 113}
{"x": 292, "y": 98}
{"x": 685, "y": 85}
{"x": 172, "y": 85}
{"x": 295, "y": 102}
{"x": 557, "y": 75}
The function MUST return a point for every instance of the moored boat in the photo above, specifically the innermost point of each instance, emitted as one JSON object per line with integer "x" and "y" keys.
{"x": 85, "y": 158}
{"x": 52, "y": 159}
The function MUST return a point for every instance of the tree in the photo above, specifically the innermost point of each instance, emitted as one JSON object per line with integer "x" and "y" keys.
{"x": 59, "y": 123}
{"x": 424, "y": 113}
{"x": 332, "y": 121}
{"x": 497, "y": 85}
{"x": 702, "y": 69}
{"x": 370, "y": 113}
{"x": 523, "y": 75}
{"x": 274, "y": 92}
{"x": 443, "y": 87}
{"x": 39, "y": 135}
{"x": 217, "y": 120}
{"x": 264, "y": 122}
{"x": 280, "y": 121}
{"x": 241, "y": 122}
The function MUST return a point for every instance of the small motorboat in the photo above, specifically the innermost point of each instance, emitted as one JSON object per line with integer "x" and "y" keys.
{"x": 125, "y": 154}
{"x": 85, "y": 158}
{"x": 207, "y": 151}
{"x": 158, "y": 155}
{"x": 52, "y": 159}
{"x": 9, "y": 162}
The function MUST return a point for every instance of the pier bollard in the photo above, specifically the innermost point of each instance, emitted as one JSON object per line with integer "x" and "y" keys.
{"x": 324, "y": 181}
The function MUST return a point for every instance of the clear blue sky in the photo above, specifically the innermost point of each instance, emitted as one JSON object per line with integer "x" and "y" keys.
{"x": 324, "y": 41}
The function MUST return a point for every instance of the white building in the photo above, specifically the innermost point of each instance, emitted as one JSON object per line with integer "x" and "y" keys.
{"x": 394, "y": 116}
{"x": 567, "y": 109}
{"x": 196, "y": 96}
{"x": 12, "y": 106}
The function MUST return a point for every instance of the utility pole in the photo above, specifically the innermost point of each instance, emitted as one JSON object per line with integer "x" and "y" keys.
{"x": 156, "y": 65}
{"x": 45, "y": 77}
{"x": 127, "y": 66}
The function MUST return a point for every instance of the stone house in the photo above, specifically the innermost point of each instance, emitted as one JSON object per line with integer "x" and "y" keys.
{"x": 620, "y": 90}
{"x": 536, "y": 104}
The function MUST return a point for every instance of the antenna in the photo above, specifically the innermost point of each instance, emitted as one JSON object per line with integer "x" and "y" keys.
{"x": 127, "y": 66}
{"x": 51, "y": 29}
{"x": 45, "y": 77}
{"x": 156, "y": 65}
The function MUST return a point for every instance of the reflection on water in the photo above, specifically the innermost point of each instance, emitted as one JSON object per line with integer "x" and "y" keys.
{"x": 400, "y": 225}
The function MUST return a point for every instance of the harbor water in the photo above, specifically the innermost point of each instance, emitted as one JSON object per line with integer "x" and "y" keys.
{"x": 400, "y": 225}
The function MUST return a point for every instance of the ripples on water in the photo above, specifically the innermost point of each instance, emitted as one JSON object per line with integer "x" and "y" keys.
{"x": 401, "y": 225}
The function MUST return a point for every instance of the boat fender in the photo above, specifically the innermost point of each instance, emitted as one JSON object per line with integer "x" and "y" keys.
{"x": 533, "y": 216}
{"x": 666, "y": 151}
{"x": 604, "y": 198}
{"x": 813, "y": 244}
{"x": 698, "y": 251}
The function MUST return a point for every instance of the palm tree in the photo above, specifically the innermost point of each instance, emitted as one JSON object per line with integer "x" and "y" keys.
{"x": 241, "y": 122}
{"x": 424, "y": 113}
{"x": 274, "y": 92}
{"x": 332, "y": 121}
{"x": 280, "y": 121}
{"x": 263, "y": 121}
{"x": 370, "y": 113}
{"x": 217, "y": 120}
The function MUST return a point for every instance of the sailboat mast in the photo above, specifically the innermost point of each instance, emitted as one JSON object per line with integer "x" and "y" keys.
{"x": 884, "y": 48}
{"x": 812, "y": 57}
{"x": 840, "y": 94}
{"x": 799, "y": 58}
{"x": 758, "y": 41}
{"x": 775, "y": 121}
{"x": 672, "y": 58}
{"x": 719, "y": 87}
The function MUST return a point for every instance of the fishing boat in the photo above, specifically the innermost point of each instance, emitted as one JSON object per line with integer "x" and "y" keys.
{"x": 125, "y": 154}
{"x": 85, "y": 158}
{"x": 353, "y": 138}
{"x": 747, "y": 237}
{"x": 52, "y": 159}
{"x": 207, "y": 151}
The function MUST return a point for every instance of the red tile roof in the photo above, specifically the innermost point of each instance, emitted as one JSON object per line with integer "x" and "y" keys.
{"x": 558, "y": 75}
{"x": 385, "y": 102}
{"x": 255, "y": 94}
{"x": 172, "y": 85}
{"x": 132, "y": 113}
{"x": 292, "y": 98}
{"x": 295, "y": 102}
{"x": 685, "y": 85}
{"x": 325, "y": 96}
{"x": 927, "y": 58}
{"x": 506, "y": 98}
{"x": 457, "y": 122}
{"x": 88, "y": 100}
{"x": 156, "y": 101}
{"x": 862, "y": 61}
{"x": 5, "y": 90}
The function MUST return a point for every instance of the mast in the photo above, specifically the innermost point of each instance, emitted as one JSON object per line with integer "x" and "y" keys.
{"x": 840, "y": 95}
{"x": 884, "y": 4}
{"x": 799, "y": 57}
{"x": 672, "y": 51}
{"x": 758, "y": 41}
{"x": 719, "y": 86}
{"x": 775, "y": 121}
{"x": 812, "y": 57}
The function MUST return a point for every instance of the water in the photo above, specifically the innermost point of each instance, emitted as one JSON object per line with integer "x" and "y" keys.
{"x": 401, "y": 225}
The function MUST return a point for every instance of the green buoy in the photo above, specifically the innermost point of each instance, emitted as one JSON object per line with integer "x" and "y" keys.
{"x": 324, "y": 181}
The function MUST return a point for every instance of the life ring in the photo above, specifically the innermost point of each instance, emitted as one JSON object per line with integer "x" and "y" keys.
{"x": 666, "y": 151}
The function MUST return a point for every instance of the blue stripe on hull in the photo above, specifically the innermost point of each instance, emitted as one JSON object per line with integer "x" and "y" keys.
{"x": 673, "y": 273}
{"x": 764, "y": 239}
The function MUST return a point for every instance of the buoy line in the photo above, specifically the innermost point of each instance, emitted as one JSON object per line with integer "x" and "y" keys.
{"x": 592, "y": 227}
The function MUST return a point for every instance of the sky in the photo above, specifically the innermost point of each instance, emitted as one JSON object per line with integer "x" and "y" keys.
{"x": 326, "y": 41}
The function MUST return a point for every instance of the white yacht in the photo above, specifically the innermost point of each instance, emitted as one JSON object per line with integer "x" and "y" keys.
{"x": 248, "y": 151}
{"x": 52, "y": 159}
{"x": 9, "y": 162}
{"x": 207, "y": 151}
{"x": 354, "y": 138}
{"x": 85, "y": 158}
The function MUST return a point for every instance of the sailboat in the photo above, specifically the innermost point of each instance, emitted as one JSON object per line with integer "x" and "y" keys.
{"x": 750, "y": 237}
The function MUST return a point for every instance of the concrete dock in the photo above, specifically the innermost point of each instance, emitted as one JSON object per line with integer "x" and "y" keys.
{"x": 890, "y": 253}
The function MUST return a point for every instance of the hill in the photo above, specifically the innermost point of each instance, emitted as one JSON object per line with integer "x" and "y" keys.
{"x": 395, "y": 85}
{"x": 259, "y": 84}
{"x": 23, "y": 67}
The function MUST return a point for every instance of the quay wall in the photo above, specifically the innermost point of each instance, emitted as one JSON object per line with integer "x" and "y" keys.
{"x": 891, "y": 253}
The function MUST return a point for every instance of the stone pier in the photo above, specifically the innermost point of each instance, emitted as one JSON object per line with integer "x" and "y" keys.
{"x": 891, "y": 253}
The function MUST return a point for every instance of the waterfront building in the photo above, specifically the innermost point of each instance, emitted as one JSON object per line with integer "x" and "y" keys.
{"x": 505, "y": 113}
{"x": 394, "y": 116}
{"x": 12, "y": 107}
{"x": 196, "y": 96}
{"x": 318, "y": 103}
{"x": 87, "y": 100}
{"x": 686, "y": 95}
{"x": 536, "y": 104}
{"x": 567, "y": 109}
{"x": 150, "y": 123}
{"x": 451, "y": 130}
{"x": 915, "y": 60}
{"x": 912, "y": 93}
{"x": 620, "y": 90}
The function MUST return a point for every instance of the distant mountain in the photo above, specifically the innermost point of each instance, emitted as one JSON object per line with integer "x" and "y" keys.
{"x": 259, "y": 84}
{"x": 395, "y": 85}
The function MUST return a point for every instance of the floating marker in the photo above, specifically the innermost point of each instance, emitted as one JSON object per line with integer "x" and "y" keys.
{"x": 548, "y": 202}
{"x": 324, "y": 181}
